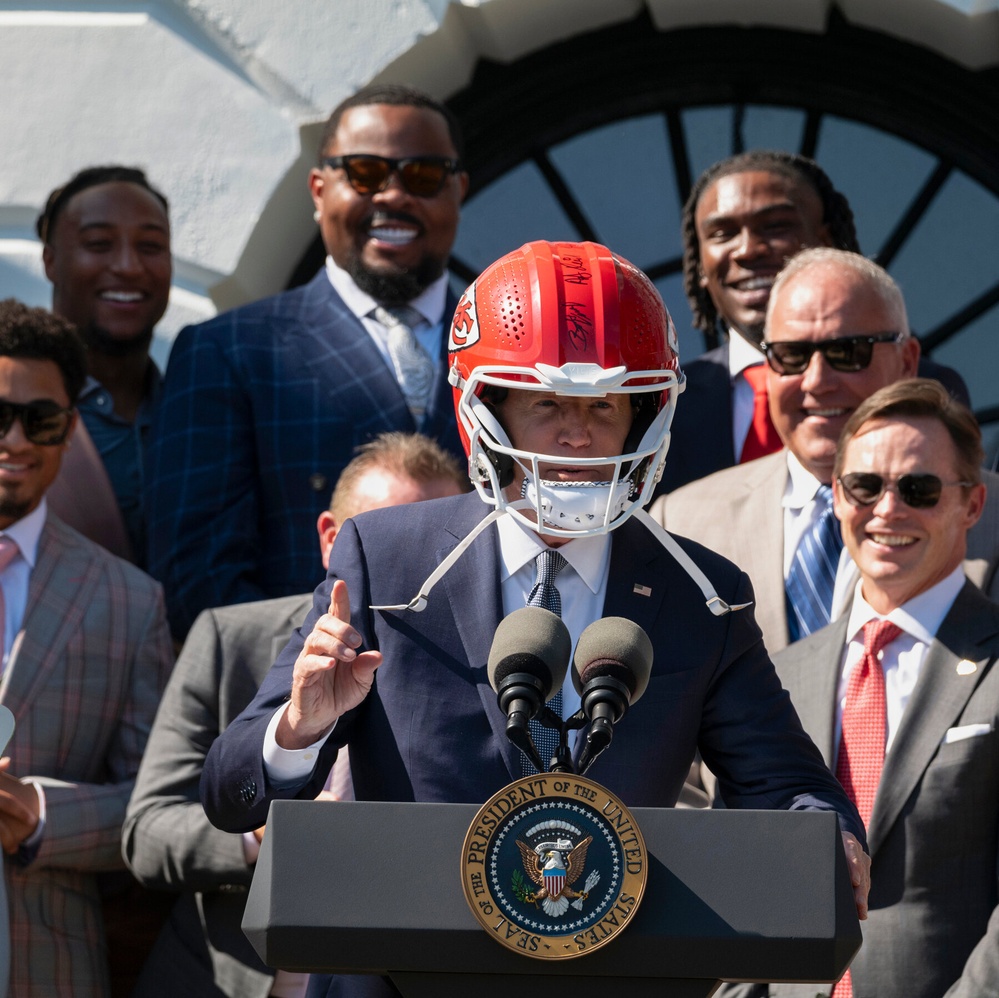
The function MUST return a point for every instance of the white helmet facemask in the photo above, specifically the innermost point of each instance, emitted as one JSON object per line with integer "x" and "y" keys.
{"x": 573, "y": 509}
{"x": 622, "y": 483}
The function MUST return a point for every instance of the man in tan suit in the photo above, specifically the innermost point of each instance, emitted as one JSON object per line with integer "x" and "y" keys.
{"x": 836, "y": 331}
{"x": 86, "y": 655}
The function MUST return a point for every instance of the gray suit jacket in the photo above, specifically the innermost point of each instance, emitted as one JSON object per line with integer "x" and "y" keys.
{"x": 168, "y": 841}
{"x": 83, "y": 681}
{"x": 737, "y": 512}
{"x": 934, "y": 833}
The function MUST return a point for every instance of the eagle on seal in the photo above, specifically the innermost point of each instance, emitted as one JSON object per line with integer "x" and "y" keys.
{"x": 554, "y": 867}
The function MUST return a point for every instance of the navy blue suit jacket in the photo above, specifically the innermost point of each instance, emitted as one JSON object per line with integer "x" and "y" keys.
{"x": 431, "y": 729}
{"x": 261, "y": 409}
{"x": 701, "y": 437}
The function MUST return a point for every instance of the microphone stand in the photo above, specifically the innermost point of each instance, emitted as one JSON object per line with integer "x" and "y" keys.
{"x": 561, "y": 762}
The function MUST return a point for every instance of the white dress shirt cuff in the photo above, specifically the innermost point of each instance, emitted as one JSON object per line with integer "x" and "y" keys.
{"x": 289, "y": 767}
{"x": 251, "y": 848}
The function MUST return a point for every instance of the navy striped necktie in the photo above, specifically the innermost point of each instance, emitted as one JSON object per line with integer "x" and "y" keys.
{"x": 544, "y": 594}
{"x": 812, "y": 577}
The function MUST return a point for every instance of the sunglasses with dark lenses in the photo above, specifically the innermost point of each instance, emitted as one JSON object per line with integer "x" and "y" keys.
{"x": 422, "y": 176}
{"x": 44, "y": 422}
{"x": 850, "y": 353}
{"x": 864, "y": 488}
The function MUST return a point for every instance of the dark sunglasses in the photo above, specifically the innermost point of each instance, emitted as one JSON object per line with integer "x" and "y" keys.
{"x": 422, "y": 176}
{"x": 850, "y": 353}
{"x": 44, "y": 422}
{"x": 864, "y": 488}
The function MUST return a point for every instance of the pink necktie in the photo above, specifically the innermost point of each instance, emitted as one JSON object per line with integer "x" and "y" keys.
{"x": 8, "y": 552}
{"x": 862, "y": 744}
{"x": 762, "y": 438}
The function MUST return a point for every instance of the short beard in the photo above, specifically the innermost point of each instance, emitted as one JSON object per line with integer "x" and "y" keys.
{"x": 12, "y": 510}
{"x": 396, "y": 288}
{"x": 100, "y": 341}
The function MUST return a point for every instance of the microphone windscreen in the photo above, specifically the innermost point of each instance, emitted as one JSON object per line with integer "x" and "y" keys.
{"x": 532, "y": 640}
{"x": 613, "y": 646}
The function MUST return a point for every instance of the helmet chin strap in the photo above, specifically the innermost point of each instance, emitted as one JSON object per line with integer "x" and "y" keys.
{"x": 713, "y": 601}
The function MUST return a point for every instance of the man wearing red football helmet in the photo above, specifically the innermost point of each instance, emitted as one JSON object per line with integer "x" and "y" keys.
{"x": 565, "y": 370}
{"x": 547, "y": 325}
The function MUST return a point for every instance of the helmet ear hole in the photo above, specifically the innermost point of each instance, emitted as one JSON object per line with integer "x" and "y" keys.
{"x": 503, "y": 463}
{"x": 646, "y": 409}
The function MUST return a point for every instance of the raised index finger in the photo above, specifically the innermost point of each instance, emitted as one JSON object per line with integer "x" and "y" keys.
{"x": 340, "y": 601}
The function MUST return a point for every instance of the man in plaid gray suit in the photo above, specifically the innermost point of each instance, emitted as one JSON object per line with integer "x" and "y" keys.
{"x": 263, "y": 406}
{"x": 86, "y": 655}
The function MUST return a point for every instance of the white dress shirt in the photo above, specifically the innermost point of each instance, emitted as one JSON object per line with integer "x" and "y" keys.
{"x": 800, "y": 508}
{"x": 429, "y": 303}
{"x": 901, "y": 660}
{"x": 582, "y": 584}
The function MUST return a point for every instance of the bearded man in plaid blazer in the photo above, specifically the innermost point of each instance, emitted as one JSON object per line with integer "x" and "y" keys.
{"x": 86, "y": 655}
{"x": 263, "y": 406}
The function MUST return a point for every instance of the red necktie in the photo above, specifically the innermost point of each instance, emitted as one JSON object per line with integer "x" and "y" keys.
{"x": 862, "y": 744}
{"x": 762, "y": 438}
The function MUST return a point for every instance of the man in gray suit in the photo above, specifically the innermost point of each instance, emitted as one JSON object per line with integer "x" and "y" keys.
{"x": 836, "y": 331}
{"x": 907, "y": 489}
{"x": 168, "y": 842}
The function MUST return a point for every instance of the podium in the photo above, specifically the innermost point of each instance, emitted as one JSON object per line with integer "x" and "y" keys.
{"x": 354, "y": 887}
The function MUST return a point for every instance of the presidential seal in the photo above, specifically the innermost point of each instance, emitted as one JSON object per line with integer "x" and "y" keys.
{"x": 554, "y": 866}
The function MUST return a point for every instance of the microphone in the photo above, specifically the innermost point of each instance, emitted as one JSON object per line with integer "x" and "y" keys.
{"x": 610, "y": 671}
{"x": 527, "y": 662}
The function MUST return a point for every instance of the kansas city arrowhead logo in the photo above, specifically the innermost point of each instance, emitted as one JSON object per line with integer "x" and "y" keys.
{"x": 554, "y": 866}
{"x": 464, "y": 325}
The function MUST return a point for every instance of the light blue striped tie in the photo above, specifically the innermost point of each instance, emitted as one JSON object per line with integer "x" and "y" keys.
{"x": 812, "y": 577}
{"x": 544, "y": 594}
{"x": 414, "y": 367}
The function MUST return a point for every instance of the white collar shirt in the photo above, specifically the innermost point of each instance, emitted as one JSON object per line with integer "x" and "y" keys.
{"x": 800, "y": 507}
{"x": 582, "y": 584}
{"x": 901, "y": 660}
{"x": 429, "y": 303}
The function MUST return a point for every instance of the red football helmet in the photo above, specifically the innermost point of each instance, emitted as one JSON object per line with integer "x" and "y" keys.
{"x": 576, "y": 320}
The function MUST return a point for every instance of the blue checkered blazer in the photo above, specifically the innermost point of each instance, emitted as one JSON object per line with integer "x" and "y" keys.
{"x": 261, "y": 409}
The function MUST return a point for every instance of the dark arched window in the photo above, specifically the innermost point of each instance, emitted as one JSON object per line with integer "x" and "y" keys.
{"x": 600, "y": 137}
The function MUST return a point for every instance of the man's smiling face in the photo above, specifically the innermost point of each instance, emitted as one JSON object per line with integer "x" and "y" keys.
{"x": 826, "y": 302}
{"x": 391, "y": 242}
{"x": 748, "y": 225}
{"x": 903, "y": 550}
{"x": 108, "y": 259}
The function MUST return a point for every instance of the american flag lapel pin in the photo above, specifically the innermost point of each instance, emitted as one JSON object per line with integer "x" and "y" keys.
{"x": 641, "y": 590}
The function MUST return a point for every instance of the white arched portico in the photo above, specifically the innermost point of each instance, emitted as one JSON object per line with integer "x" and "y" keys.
{"x": 220, "y": 101}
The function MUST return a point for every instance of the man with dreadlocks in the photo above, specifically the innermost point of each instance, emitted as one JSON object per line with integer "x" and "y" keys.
{"x": 745, "y": 217}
